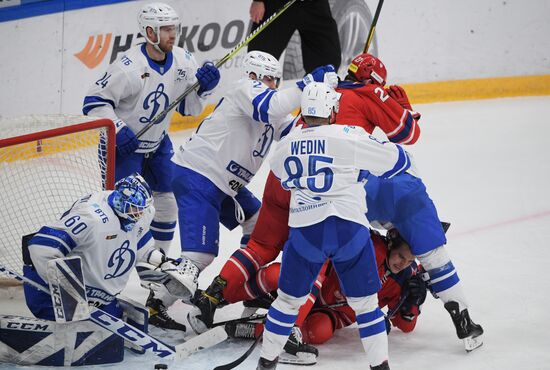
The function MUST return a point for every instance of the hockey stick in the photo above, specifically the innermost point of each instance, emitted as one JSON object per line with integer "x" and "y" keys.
{"x": 241, "y": 319}
{"x": 134, "y": 335}
{"x": 373, "y": 26}
{"x": 159, "y": 117}
{"x": 243, "y": 357}
{"x": 109, "y": 322}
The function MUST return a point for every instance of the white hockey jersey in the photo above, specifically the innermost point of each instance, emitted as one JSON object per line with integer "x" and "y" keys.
{"x": 135, "y": 89}
{"x": 231, "y": 143}
{"x": 91, "y": 230}
{"x": 325, "y": 168}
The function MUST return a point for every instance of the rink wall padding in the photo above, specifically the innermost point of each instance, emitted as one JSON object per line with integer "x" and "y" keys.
{"x": 59, "y": 48}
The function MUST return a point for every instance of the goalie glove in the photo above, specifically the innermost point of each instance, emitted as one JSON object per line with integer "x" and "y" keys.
{"x": 178, "y": 276}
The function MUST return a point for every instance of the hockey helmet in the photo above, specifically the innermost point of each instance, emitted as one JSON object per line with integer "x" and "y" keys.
{"x": 319, "y": 100}
{"x": 131, "y": 198}
{"x": 156, "y": 15}
{"x": 366, "y": 66}
{"x": 262, "y": 65}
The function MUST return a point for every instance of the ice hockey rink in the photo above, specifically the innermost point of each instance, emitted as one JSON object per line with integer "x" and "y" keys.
{"x": 487, "y": 167}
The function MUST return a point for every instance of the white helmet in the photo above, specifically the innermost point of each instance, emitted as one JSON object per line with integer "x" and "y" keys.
{"x": 156, "y": 15}
{"x": 319, "y": 99}
{"x": 262, "y": 64}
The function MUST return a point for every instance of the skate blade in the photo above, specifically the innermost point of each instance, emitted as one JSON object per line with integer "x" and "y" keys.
{"x": 301, "y": 358}
{"x": 472, "y": 343}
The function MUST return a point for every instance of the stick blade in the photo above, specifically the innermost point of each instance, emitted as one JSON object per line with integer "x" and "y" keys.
{"x": 205, "y": 340}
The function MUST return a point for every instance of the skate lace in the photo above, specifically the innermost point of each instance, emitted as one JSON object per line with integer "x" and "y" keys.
{"x": 296, "y": 336}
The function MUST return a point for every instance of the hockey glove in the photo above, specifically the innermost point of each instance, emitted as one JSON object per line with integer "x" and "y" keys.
{"x": 399, "y": 95}
{"x": 208, "y": 76}
{"x": 324, "y": 74}
{"x": 126, "y": 141}
{"x": 415, "y": 289}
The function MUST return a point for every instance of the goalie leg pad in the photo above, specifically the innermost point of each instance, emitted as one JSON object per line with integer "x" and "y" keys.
{"x": 30, "y": 341}
{"x": 68, "y": 289}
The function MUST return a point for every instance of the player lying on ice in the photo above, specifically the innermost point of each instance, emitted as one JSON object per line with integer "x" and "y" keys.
{"x": 403, "y": 292}
{"x": 109, "y": 232}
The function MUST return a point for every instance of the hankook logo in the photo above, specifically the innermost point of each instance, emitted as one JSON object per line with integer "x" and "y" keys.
{"x": 193, "y": 38}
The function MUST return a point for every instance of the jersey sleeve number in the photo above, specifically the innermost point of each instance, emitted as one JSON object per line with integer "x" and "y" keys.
{"x": 315, "y": 168}
{"x": 76, "y": 228}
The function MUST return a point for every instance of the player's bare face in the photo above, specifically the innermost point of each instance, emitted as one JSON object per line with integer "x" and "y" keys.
{"x": 400, "y": 258}
{"x": 167, "y": 37}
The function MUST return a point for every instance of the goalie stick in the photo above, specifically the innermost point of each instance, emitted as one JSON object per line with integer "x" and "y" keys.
{"x": 159, "y": 117}
{"x": 136, "y": 336}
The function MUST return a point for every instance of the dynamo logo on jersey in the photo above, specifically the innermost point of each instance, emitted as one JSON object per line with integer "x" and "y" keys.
{"x": 264, "y": 142}
{"x": 154, "y": 100}
{"x": 122, "y": 260}
{"x": 239, "y": 171}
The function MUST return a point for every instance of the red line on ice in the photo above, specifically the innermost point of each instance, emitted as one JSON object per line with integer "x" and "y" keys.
{"x": 502, "y": 223}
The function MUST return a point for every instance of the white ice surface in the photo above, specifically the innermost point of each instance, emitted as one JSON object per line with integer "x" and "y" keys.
{"x": 487, "y": 167}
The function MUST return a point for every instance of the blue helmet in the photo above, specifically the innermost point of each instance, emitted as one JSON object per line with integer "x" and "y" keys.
{"x": 131, "y": 197}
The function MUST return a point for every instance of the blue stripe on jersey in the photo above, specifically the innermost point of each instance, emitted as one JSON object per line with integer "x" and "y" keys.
{"x": 47, "y": 241}
{"x": 148, "y": 236}
{"x": 405, "y": 131}
{"x": 60, "y": 234}
{"x": 91, "y": 102}
{"x": 287, "y": 129}
{"x": 260, "y": 106}
{"x": 244, "y": 261}
{"x": 402, "y": 164}
{"x": 264, "y": 109}
{"x": 181, "y": 107}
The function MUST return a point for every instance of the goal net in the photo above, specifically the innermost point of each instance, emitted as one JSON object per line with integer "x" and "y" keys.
{"x": 47, "y": 162}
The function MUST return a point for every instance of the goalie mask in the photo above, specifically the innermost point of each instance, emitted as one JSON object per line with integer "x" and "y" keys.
{"x": 262, "y": 65}
{"x": 319, "y": 100}
{"x": 130, "y": 199}
{"x": 365, "y": 66}
{"x": 157, "y": 15}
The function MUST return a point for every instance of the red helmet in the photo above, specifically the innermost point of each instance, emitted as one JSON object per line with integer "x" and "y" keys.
{"x": 366, "y": 66}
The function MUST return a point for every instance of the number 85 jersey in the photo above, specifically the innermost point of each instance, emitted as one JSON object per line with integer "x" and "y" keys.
{"x": 325, "y": 168}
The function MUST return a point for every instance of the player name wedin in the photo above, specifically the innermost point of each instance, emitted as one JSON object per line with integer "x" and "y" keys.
{"x": 307, "y": 147}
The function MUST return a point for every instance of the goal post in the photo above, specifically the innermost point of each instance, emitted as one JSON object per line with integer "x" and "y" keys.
{"x": 47, "y": 162}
